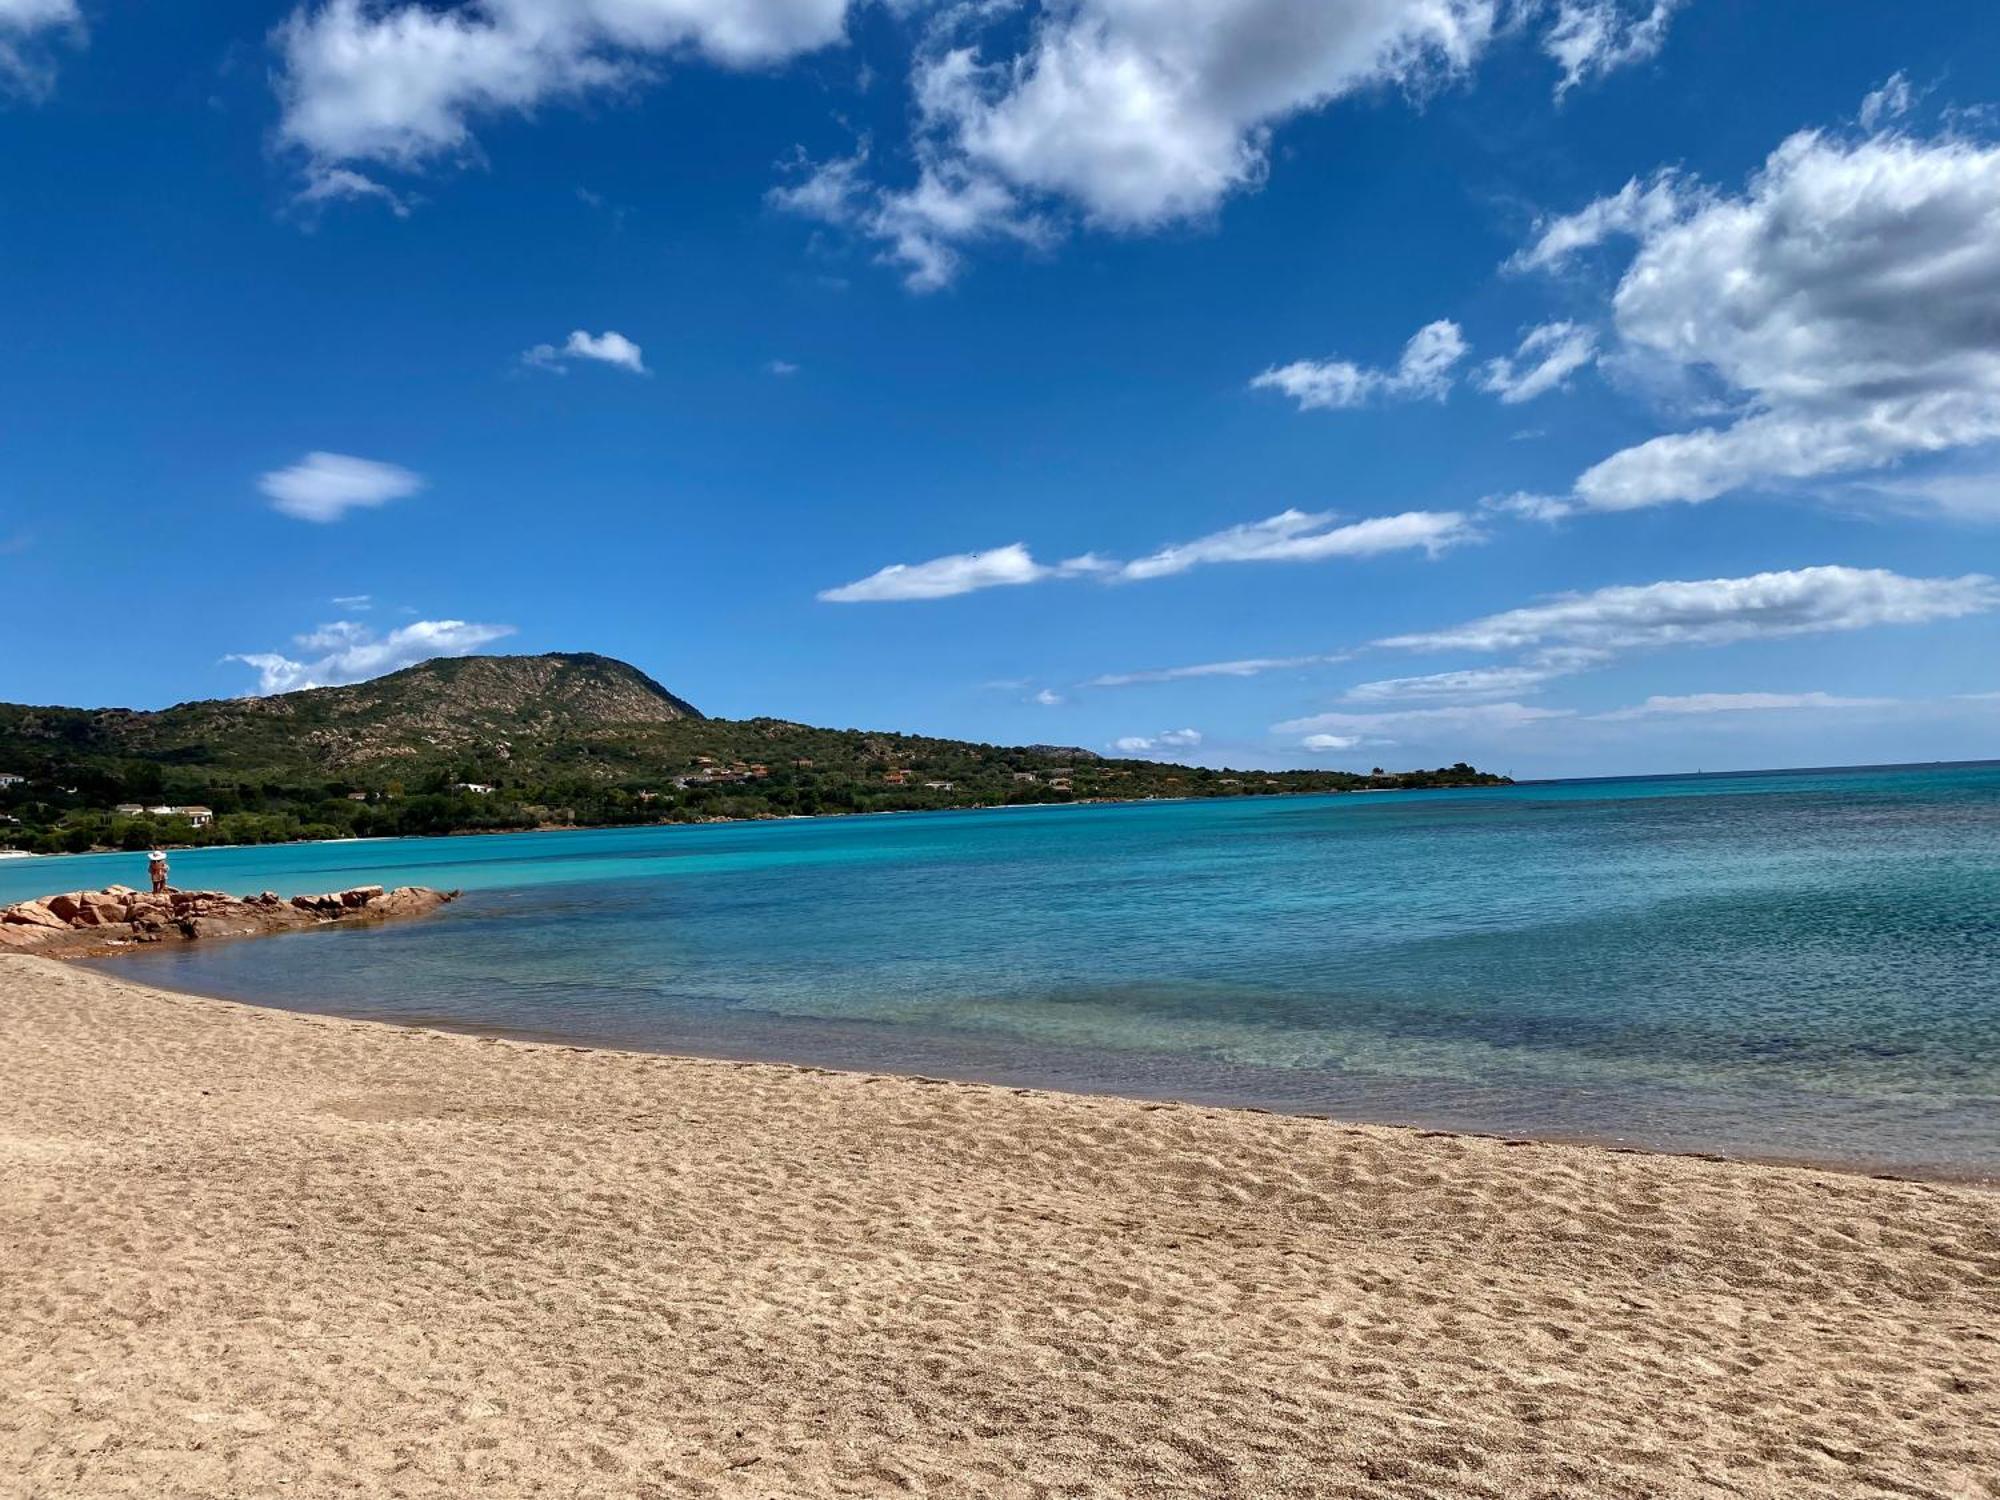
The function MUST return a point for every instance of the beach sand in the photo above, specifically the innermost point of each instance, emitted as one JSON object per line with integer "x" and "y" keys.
{"x": 250, "y": 1253}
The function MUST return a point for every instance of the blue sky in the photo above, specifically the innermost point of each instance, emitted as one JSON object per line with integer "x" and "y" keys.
{"x": 1571, "y": 386}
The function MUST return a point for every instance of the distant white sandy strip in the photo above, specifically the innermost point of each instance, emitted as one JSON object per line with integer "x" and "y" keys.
{"x": 251, "y": 1253}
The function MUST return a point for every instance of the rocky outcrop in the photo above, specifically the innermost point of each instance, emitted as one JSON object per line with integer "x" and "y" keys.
{"x": 90, "y": 924}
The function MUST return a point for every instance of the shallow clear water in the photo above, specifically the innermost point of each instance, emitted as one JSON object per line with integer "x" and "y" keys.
{"x": 1799, "y": 964}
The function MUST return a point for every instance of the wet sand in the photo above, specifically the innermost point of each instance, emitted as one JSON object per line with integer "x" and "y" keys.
{"x": 252, "y": 1253}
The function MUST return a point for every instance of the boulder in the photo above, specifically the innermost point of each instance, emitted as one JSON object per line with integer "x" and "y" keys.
{"x": 33, "y": 914}
{"x": 359, "y": 896}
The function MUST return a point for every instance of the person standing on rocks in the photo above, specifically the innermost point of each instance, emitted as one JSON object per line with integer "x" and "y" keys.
{"x": 156, "y": 866}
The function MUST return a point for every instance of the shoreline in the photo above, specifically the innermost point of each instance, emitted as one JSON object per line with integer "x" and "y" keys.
{"x": 255, "y": 1251}
{"x": 1052, "y": 1081}
{"x": 885, "y": 812}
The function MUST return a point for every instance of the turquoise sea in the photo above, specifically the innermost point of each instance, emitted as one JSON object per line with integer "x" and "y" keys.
{"x": 1800, "y": 964}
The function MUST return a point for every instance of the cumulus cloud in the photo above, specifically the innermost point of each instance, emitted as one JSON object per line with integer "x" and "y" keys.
{"x": 1048, "y": 698}
{"x": 607, "y": 348}
{"x": 1718, "y": 611}
{"x": 1840, "y": 307}
{"x": 26, "y": 28}
{"x": 404, "y": 83}
{"x": 347, "y": 651}
{"x": 1544, "y": 360}
{"x": 326, "y": 486}
{"x": 1290, "y": 536}
{"x": 1331, "y": 741}
{"x": 1424, "y": 372}
{"x": 1590, "y": 38}
{"x": 1731, "y": 703}
{"x": 1145, "y": 114}
{"x": 1249, "y": 667}
{"x": 1132, "y": 116}
{"x": 1166, "y": 739}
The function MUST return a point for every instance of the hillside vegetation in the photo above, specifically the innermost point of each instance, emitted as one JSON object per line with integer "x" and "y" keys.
{"x": 495, "y": 742}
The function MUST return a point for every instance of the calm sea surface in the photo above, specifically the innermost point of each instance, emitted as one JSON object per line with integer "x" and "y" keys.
{"x": 1797, "y": 964}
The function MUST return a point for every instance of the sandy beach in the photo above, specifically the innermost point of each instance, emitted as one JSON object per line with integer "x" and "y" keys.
{"x": 251, "y": 1253}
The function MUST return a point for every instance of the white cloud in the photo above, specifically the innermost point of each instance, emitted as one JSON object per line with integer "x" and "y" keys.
{"x": 1303, "y": 536}
{"x": 1290, "y": 536}
{"x": 1469, "y": 719}
{"x": 1841, "y": 308}
{"x": 328, "y": 184}
{"x": 922, "y": 228}
{"x": 25, "y": 27}
{"x": 1168, "y": 739}
{"x": 1145, "y": 113}
{"x": 607, "y": 348}
{"x": 1134, "y": 114}
{"x": 1593, "y": 37}
{"x": 781, "y": 367}
{"x": 354, "y": 601}
{"x": 1545, "y": 359}
{"x": 1965, "y": 495}
{"x": 1331, "y": 741}
{"x": 1471, "y": 682}
{"x": 1530, "y": 507}
{"x": 1717, "y": 611}
{"x": 942, "y": 577}
{"x": 1048, "y": 698}
{"x": 1633, "y": 210}
{"x": 1424, "y": 372}
{"x": 351, "y": 652}
{"x": 1731, "y": 703}
{"x": 326, "y": 486}
{"x": 403, "y": 84}
{"x": 1889, "y": 102}
{"x": 1251, "y": 667}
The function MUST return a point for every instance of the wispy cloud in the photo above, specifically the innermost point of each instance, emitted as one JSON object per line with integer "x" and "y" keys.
{"x": 345, "y": 651}
{"x": 1717, "y": 611}
{"x": 1307, "y": 536}
{"x": 607, "y": 348}
{"x": 1249, "y": 667}
{"x": 26, "y": 28}
{"x": 1423, "y": 373}
{"x": 1543, "y": 361}
{"x": 324, "y": 487}
{"x": 1590, "y": 38}
{"x": 942, "y": 577}
{"x": 325, "y": 185}
{"x": 1290, "y": 536}
{"x": 1471, "y": 718}
{"x": 1736, "y": 703}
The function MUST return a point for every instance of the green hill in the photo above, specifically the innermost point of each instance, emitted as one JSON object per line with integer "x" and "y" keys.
{"x": 489, "y": 742}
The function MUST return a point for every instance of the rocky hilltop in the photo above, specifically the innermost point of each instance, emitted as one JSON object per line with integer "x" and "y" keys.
{"x": 92, "y": 924}
{"x": 488, "y": 743}
{"x": 527, "y": 705}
